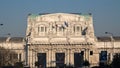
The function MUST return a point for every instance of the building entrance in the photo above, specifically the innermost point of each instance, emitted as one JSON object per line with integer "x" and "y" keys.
{"x": 41, "y": 60}
{"x": 103, "y": 56}
{"x": 60, "y": 60}
{"x": 78, "y": 59}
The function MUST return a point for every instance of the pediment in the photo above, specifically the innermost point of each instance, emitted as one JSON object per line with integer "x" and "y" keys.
{"x": 60, "y": 17}
{"x": 61, "y": 25}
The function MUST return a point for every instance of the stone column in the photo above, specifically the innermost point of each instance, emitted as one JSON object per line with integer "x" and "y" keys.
{"x": 67, "y": 56}
{"x": 71, "y": 57}
{"x": 53, "y": 58}
{"x": 47, "y": 58}
{"x": 34, "y": 58}
{"x": 111, "y": 56}
{"x": 87, "y": 54}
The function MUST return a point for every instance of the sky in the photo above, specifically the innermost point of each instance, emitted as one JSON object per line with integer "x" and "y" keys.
{"x": 13, "y": 14}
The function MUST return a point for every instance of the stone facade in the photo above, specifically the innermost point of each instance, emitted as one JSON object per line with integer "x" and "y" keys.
{"x": 15, "y": 45}
{"x": 65, "y": 35}
{"x": 61, "y": 33}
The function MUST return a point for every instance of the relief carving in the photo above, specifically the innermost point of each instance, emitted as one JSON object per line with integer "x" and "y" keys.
{"x": 61, "y": 25}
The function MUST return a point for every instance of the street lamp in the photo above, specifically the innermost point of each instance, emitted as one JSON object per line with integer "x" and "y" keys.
{"x": 109, "y": 33}
{"x": 112, "y": 42}
{"x": 1, "y": 24}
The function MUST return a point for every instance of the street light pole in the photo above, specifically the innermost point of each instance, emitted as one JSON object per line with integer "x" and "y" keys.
{"x": 112, "y": 42}
{"x": 0, "y": 50}
{"x": 1, "y": 24}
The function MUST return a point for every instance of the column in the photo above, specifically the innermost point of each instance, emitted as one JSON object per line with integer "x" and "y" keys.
{"x": 111, "y": 56}
{"x": 71, "y": 57}
{"x": 49, "y": 58}
{"x": 34, "y": 58}
{"x": 67, "y": 56}
{"x": 53, "y": 58}
{"x": 87, "y": 54}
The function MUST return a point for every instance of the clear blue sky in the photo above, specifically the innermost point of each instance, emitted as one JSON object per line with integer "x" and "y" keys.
{"x": 13, "y": 13}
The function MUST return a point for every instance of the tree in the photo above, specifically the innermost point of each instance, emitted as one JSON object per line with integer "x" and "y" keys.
{"x": 19, "y": 65}
{"x": 116, "y": 61}
{"x": 86, "y": 63}
{"x": 7, "y": 57}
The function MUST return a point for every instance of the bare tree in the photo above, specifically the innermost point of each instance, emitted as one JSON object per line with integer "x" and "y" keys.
{"x": 7, "y": 57}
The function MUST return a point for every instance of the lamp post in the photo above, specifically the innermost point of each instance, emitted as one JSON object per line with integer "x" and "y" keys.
{"x": 1, "y": 24}
{"x": 0, "y": 54}
{"x": 112, "y": 42}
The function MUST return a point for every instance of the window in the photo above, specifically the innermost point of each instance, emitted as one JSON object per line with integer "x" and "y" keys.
{"x": 41, "y": 29}
{"x": 91, "y": 52}
{"x": 77, "y": 28}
